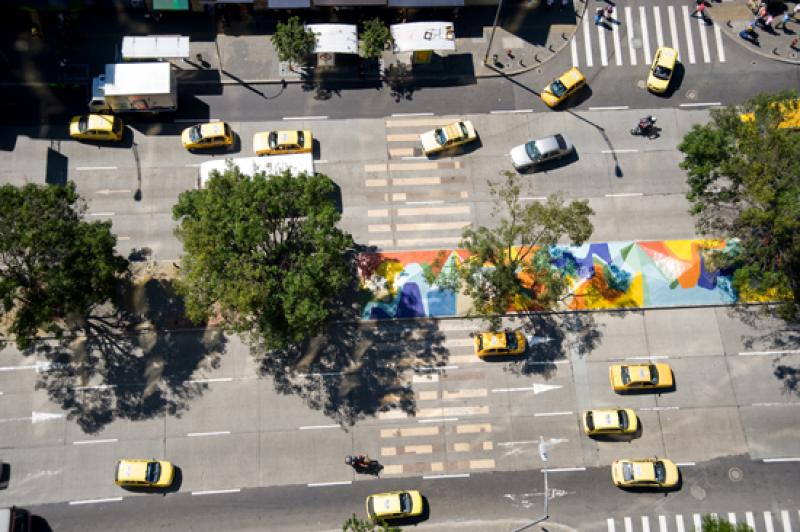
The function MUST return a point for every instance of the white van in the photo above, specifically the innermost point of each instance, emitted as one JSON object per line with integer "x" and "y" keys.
{"x": 15, "y": 520}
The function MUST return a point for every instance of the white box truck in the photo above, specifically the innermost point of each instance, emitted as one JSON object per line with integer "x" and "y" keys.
{"x": 15, "y": 520}
{"x": 135, "y": 87}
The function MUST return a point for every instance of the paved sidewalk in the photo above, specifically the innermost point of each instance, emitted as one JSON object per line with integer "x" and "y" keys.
{"x": 733, "y": 17}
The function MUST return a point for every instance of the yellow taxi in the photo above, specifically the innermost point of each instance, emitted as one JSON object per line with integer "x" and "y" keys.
{"x": 97, "y": 127}
{"x": 394, "y": 505}
{"x": 661, "y": 70}
{"x": 282, "y": 142}
{"x": 505, "y": 343}
{"x": 207, "y": 136}
{"x": 610, "y": 421}
{"x": 562, "y": 88}
{"x": 144, "y": 473}
{"x": 640, "y": 377}
{"x": 447, "y": 137}
{"x": 647, "y": 473}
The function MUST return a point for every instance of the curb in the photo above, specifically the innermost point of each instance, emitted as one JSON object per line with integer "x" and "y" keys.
{"x": 726, "y": 26}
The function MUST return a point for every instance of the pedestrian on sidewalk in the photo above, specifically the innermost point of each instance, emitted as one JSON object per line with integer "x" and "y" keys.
{"x": 768, "y": 23}
{"x": 793, "y": 45}
{"x": 762, "y": 11}
{"x": 598, "y": 16}
{"x": 796, "y": 11}
{"x": 784, "y": 20}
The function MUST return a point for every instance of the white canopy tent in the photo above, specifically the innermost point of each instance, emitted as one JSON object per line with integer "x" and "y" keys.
{"x": 155, "y": 47}
{"x": 423, "y": 36}
{"x": 335, "y": 38}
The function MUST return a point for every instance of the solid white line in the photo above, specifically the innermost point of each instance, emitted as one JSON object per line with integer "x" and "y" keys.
{"x": 550, "y": 414}
{"x": 397, "y": 115}
{"x": 587, "y": 41}
{"x": 15, "y": 368}
{"x": 564, "y": 469}
{"x": 766, "y": 353}
{"x": 718, "y": 38}
{"x": 775, "y": 404}
{"x": 513, "y": 443}
{"x": 315, "y": 427}
{"x": 696, "y": 517}
{"x": 787, "y": 524}
{"x": 673, "y": 30}
{"x": 618, "y": 151}
{"x": 601, "y": 38}
{"x": 459, "y": 475}
{"x": 701, "y": 25}
{"x": 645, "y": 35}
{"x": 701, "y": 104}
{"x": 645, "y": 524}
{"x": 573, "y": 49}
{"x": 768, "y": 521}
{"x": 777, "y": 460}
{"x": 431, "y": 202}
{"x": 751, "y": 521}
{"x": 617, "y": 48}
{"x": 610, "y": 108}
{"x": 88, "y": 442}
{"x": 217, "y": 433}
{"x": 510, "y": 111}
{"x": 216, "y": 492}
{"x": 219, "y": 379}
{"x": 732, "y": 518}
{"x": 438, "y": 420}
{"x": 610, "y": 525}
{"x": 687, "y": 24}
{"x": 685, "y": 464}
{"x": 631, "y": 49}
{"x": 628, "y": 525}
{"x": 95, "y": 501}
{"x": 101, "y": 214}
{"x": 662, "y": 523}
{"x": 95, "y": 168}
{"x": 321, "y": 117}
{"x": 659, "y": 33}
{"x": 625, "y": 195}
{"x": 322, "y": 484}
{"x": 679, "y": 523}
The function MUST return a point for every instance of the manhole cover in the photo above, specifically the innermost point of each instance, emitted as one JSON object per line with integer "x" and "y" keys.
{"x": 698, "y": 493}
{"x": 641, "y": 83}
{"x": 691, "y": 94}
{"x": 735, "y": 474}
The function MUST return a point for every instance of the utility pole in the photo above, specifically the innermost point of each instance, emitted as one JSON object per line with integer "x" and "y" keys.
{"x": 494, "y": 28}
{"x": 544, "y": 456}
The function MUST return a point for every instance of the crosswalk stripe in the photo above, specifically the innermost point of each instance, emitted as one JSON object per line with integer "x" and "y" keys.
{"x": 751, "y": 521}
{"x": 587, "y": 42}
{"x": 659, "y": 33}
{"x": 732, "y": 518}
{"x": 768, "y": 521}
{"x": 601, "y": 38}
{"x": 645, "y": 35}
{"x": 679, "y": 523}
{"x": 718, "y": 38}
{"x": 697, "y": 522}
{"x": 688, "y": 27}
{"x": 629, "y": 21}
{"x": 701, "y": 27}
{"x": 787, "y": 524}
{"x": 611, "y": 527}
{"x": 662, "y": 523}
{"x": 573, "y": 48}
{"x": 645, "y": 524}
{"x": 617, "y": 53}
{"x": 628, "y": 525}
{"x": 673, "y": 30}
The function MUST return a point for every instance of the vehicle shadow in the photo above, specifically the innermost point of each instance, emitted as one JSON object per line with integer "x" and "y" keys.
{"x": 625, "y": 438}
{"x": 666, "y": 491}
{"x": 415, "y": 520}
{"x": 659, "y": 391}
{"x": 547, "y": 166}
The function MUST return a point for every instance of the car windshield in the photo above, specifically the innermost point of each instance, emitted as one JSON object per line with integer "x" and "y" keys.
{"x": 590, "y": 420}
{"x": 194, "y": 134}
{"x": 511, "y": 341}
{"x": 438, "y": 134}
{"x": 558, "y": 88}
{"x": 83, "y": 124}
{"x": 660, "y": 471}
{"x": 300, "y": 138}
{"x": 464, "y": 131}
{"x": 627, "y": 471}
{"x": 626, "y": 376}
{"x": 662, "y": 72}
{"x": 623, "y": 419}
{"x": 532, "y": 151}
{"x": 653, "y": 374}
{"x": 273, "y": 140}
{"x": 153, "y": 472}
{"x": 480, "y": 342}
{"x": 405, "y": 502}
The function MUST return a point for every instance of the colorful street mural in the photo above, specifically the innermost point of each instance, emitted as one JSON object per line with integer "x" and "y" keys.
{"x": 634, "y": 274}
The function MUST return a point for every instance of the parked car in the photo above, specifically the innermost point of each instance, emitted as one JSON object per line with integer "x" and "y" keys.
{"x": 207, "y": 136}
{"x": 535, "y": 152}
{"x": 661, "y": 70}
{"x": 562, "y": 88}
{"x": 97, "y": 127}
{"x": 447, "y": 137}
{"x": 282, "y": 142}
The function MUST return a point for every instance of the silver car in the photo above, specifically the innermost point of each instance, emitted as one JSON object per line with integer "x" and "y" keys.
{"x": 540, "y": 151}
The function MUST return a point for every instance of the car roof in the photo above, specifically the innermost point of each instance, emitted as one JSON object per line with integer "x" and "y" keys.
{"x": 493, "y": 340}
{"x": 605, "y": 418}
{"x": 288, "y": 137}
{"x": 386, "y": 503}
{"x": 667, "y": 54}
{"x": 96, "y": 121}
{"x": 639, "y": 373}
{"x": 453, "y": 131}
{"x": 547, "y": 144}
{"x": 644, "y": 470}
{"x": 132, "y": 470}
{"x": 571, "y": 77}
{"x": 212, "y": 129}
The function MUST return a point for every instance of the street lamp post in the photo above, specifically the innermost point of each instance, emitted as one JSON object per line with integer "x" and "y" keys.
{"x": 494, "y": 28}
{"x": 543, "y": 455}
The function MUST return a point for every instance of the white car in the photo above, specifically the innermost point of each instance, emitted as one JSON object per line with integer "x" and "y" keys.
{"x": 535, "y": 152}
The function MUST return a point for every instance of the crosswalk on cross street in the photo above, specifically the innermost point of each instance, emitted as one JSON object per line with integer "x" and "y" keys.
{"x": 632, "y": 36}
{"x": 767, "y": 521}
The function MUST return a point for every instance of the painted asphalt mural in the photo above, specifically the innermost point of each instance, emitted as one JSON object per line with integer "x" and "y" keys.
{"x": 634, "y": 274}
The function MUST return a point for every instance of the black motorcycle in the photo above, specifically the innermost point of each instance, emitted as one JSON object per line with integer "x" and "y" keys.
{"x": 363, "y": 464}
{"x": 646, "y": 127}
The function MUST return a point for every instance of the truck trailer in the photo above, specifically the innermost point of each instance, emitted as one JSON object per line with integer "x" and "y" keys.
{"x": 135, "y": 87}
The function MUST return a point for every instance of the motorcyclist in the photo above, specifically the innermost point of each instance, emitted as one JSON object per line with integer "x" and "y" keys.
{"x": 646, "y": 122}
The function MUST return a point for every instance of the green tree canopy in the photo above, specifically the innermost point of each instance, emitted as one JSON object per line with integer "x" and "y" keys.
{"x": 520, "y": 244}
{"x": 374, "y": 38}
{"x": 265, "y": 252}
{"x": 53, "y": 264}
{"x": 356, "y": 524}
{"x": 293, "y": 41}
{"x": 744, "y": 184}
{"x": 715, "y": 524}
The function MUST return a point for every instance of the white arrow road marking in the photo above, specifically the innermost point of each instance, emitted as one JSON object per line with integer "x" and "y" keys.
{"x": 533, "y": 340}
{"x": 536, "y": 388}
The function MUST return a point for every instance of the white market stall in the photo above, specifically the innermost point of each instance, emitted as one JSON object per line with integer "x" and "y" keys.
{"x": 415, "y": 42}
{"x": 333, "y": 39}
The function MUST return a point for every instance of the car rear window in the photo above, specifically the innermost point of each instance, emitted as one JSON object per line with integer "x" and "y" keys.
{"x": 660, "y": 471}
{"x": 405, "y": 502}
{"x": 627, "y": 471}
{"x": 561, "y": 143}
{"x": 653, "y": 374}
{"x": 590, "y": 420}
{"x": 626, "y": 377}
{"x": 371, "y": 506}
{"x": 623, "y": 419}
{"x": 153, "y": 472}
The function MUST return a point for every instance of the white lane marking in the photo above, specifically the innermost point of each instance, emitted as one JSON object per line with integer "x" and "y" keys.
{"x": 509, "y": 111}
{"x": 321, "y": 161}
{"x": 573, "y": 50}
{"x": 97, "y": 387}
{"x": 673, "y": 30}
{"x": 659, "y": 33}
{"x": 513, "y": 443}
{"x": 323, "y": 484}
{"x": 779, "y": 460}
{"x": 320, "y": 374}
{"x": 318, "y": 427}
{"x": 787, "y": 524}
{"x": 775, "y": 404}
{"x": 619, "y": 151}
{"x": 698, "y": 525}
{"x": 611, "y": 526}
{"x": 38, "y": 367}
{"x": 732, "y": 518}
{"x": 217, "y": 433}
{"x": 617, "y": 48}
{"x": 438, "y": 420}
{"x": 685, "y": 464}
{"x": 429, "y": 202}
{"x": 660, "y": 408}
{"x": 701, "y": 28}
{"x": 751, "y": 521}
{"x": 645, "y": 524}
{"x": 551, "y": 414}
{"x": 433, "y": 368}
{"x": 195, "y": 120}
{"x": 718, "y": 38}
{"x": 687, "y": 24}
{"x": 536, "y": 388}
{"x": 564, "y": 469}
{"x": 216, "y": 492}
{"x": 411, "y": 114}
{"x": 662, "y": 523}
{"x": 628, "y": 524}
{"x": 107, "y": 191}
{"x": 89, "y": 168}
{"x": 701, "y": 104}
{"x": 101, "y": 214}
{"x": 610, "y": 108}
{"x": 655, "y": 357}
{"x": 645, "y": 35}
{"x": 95, "y": 501}
{"x": 193, "y": 165}
{"x": 679, "y": 523}
{"x": 629, "y": 21}
{"x": 122, "y": 239}
{"x": 534, "y": 198}
{"x": 413, "y": 158}
{"x": 624, "y": 195}
{"x": 321, "y": 117}
{"x": 587, "y": 41}
{"x": 767, "y": 353}
{"x": 89, "y": 442}
{"x": 601, "y": 38}
{"x": 218, "y": 379}
{"x": 433, "y": 477}
{"x": 768, "y": 522}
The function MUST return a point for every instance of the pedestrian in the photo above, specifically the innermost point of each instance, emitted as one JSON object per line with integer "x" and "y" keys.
{"x": 762, "y": 11}
{"x": 796, "y": 10}
{"x": 701, "y": 9}
{"x": 609, "y": 13}
{"x": 768, "y": 23}
{"x": 793, "y": 44}
{"x": 784, "y": 20}
{"x": 598, "y": 16}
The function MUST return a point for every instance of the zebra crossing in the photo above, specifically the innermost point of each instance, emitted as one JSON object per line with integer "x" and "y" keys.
{"x": 637, "y": 32}
{"x": 768, "y": 521}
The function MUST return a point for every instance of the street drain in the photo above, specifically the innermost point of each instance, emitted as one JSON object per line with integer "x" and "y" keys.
{"x": 735, "y": 474}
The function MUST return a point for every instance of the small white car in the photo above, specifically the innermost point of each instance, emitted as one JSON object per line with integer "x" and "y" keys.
{"x": 535, "y": 152}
